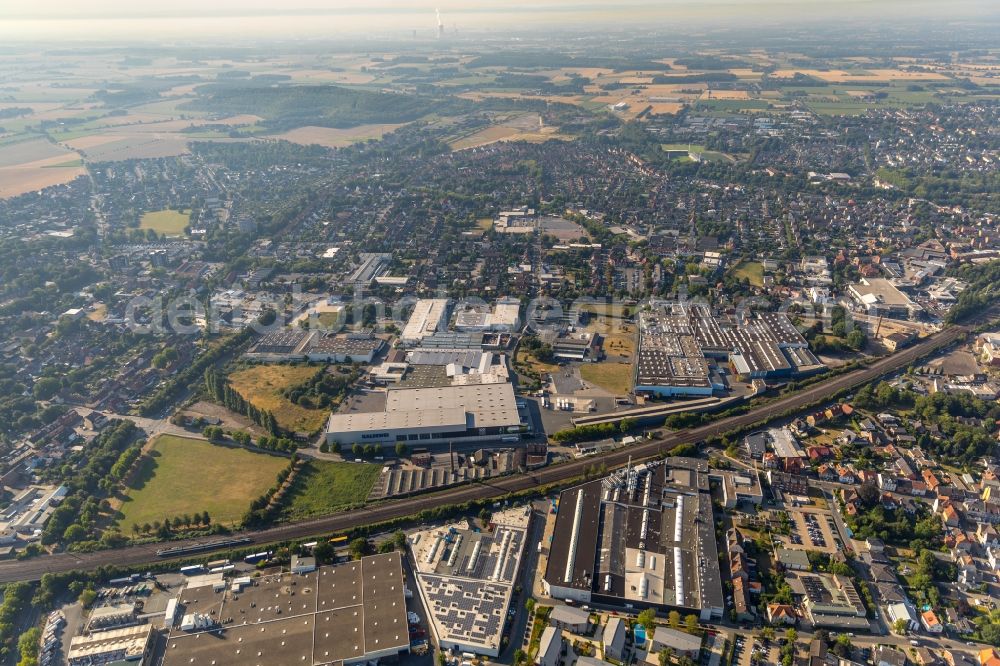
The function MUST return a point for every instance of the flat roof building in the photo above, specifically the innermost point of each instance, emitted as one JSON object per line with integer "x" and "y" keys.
{"x": 830, "y": 600}
{"x": 292, "y": 344}
{"x": 428, "y": 316}
{"x": 466, "y": 579}
{"x": 677, "y": 339}
{"x": 740, "y": 487}
{"x": 881, "y": 297}
{"x": 434, "y": 415}
{"x": 130, "y": 644}
{"x": 643, "y": 536}
{"x": 345, "y": 614}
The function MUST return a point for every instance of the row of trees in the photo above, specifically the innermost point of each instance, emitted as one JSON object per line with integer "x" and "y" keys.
{"x": 262, "y": 509}
{"x": 243, "y": 438}
{"x": 15, "y": 601}
{"x": 187, "y": 376}
{"x": 88, "y": 478}
{"x": 163, "y": 529}
{"x": 223, "y": 393}
{"x": 591, "y": 432}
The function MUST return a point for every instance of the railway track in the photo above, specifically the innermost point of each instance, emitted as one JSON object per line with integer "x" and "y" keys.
{"x": 35, "y": 568}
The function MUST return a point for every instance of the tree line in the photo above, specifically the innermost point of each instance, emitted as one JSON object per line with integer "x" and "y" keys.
{"x": 596, "y": 431}
{"x": 184, "y": 378}
{"x": 263, "y": 508}
{"x": 223, "y": 393}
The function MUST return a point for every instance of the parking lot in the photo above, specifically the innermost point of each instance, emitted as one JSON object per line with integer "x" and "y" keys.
{"x": 813, "y": 530}
{"x": 749, "y": 651}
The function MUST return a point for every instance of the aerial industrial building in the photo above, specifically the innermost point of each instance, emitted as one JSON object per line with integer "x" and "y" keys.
{"x": 831, "y": 601}
{"x": 643, "y": 537}
{"x": 680, "y": 342}
{"x": 434, "y": 415}
{"x": 881, "y": 297}
{"x": 298, "y": 344}
{"x": 345, "y": 614}
{"x": 466, "y": 579}
{"x": 127, "y": 645}
{"x": 429, "y": 315}
{"x": 505, "y": 316}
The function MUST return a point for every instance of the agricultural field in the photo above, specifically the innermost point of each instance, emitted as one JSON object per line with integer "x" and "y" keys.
{"x": 166, "y": 222}
{"x": 527, "y": 127}
{"x": 29, "y": 163}
{"x": 111, "y": 147}
{"x": 331, "y": 137}
{"x": 182, "y": 475}
{"x": 861, "y": 75}
{"x": 263, "y": 385}
{"x": 615, "y": 378}
{"x": 324, "y": 487}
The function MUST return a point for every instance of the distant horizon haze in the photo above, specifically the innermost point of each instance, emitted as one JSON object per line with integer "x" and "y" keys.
{"x": 101, "y": 20}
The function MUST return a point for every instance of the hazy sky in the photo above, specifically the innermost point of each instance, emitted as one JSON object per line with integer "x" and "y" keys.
{"x": 142, "y": 19}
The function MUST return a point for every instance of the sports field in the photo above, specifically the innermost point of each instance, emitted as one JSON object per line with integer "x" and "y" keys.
{"x": 323, "y": 487}
{"x": 263, "y": 385}
{"x": 184, "y": 476}
{"x": 165, "y": 222}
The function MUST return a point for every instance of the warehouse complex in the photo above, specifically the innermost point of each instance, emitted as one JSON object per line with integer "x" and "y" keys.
{"x": 643, "y": 537}
{"x": 680, "y": 345}
{"x": 299, "y": 344}
{"x": 429, "y": 315}
{"x": 433, "y": 415}
{"x": 345, "y": 614}
{"x": 881, "y": 297}
{"x": 124, "y": 645}
{"x": 466, "y": 579}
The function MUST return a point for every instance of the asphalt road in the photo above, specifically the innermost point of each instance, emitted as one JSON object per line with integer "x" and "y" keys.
{"x": 34, "y": 568}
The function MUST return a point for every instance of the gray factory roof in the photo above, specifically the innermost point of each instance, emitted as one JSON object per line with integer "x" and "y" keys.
{"x": 675, "y": 337}
{"x": 331, "y": 615}
{"x": 644, "y": 536}
{"x": 460, "y": 406}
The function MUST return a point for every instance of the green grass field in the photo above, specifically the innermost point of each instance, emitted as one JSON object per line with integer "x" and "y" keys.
{"x": 693, "y": 147}
{"x": 168, "y": 222}
{"x": 751, "y": 270}
{"x": 615, "y": 378}
{"x": 324, "y": 487}
{"x": 184, "y": 476}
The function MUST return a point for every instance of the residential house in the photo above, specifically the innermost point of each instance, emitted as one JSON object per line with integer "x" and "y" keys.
{"x": 681, "y": 643}
{"x": 886, "y": 482}
{"x": 989, "y": 657}
{"x": 887, "y": 656}
{"x": 613, "y": 639}
{"x": 931, "y": 624}
{"x": 550, "y": 647}
{"x": 781, "y": 614}
{"x": 570, "y": 618}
